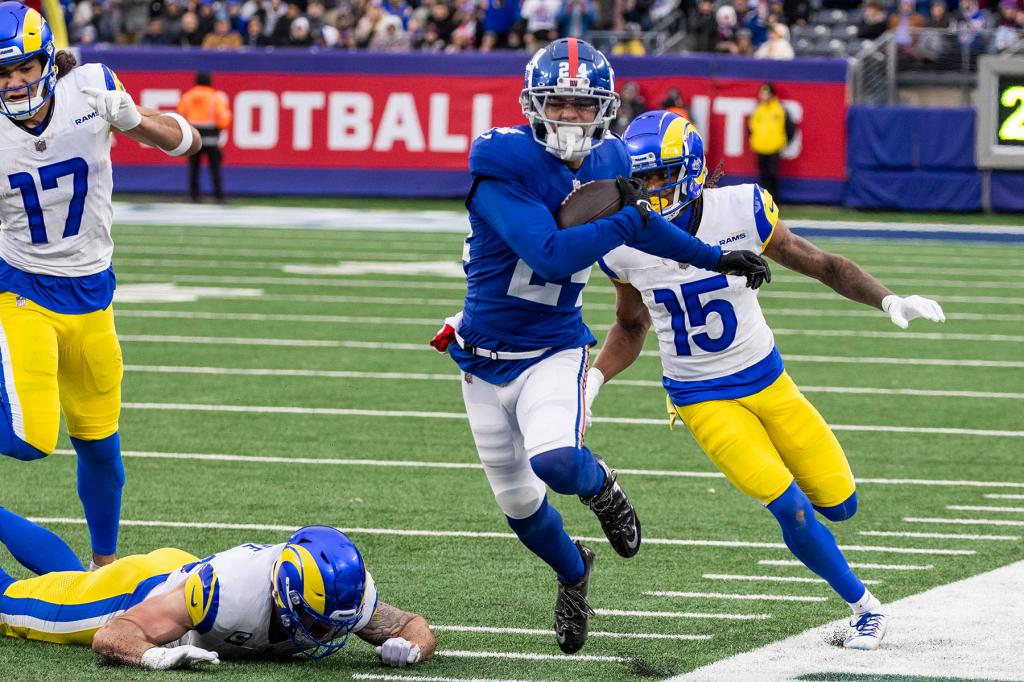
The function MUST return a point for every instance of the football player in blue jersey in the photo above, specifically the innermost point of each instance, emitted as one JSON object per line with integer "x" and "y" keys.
{"x": 57, "y": 337}
{"x": 520, "y": 340}
{"x": 723, "y": 373}
{"x": 169, "y": 609}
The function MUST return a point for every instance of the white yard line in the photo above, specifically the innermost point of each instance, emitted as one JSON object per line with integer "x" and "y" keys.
{"x": 920, "y": 642}
{"x": 468, "y": 534}
{"x": 681, "y": 614}
{"x": 548, "y": 632}
{"x": 867, "y": 566}
{"x": 427, "y": 464}
{"x": 997, "y": 496}
{"x": 389, "y": 677}
{"x": 773, "y": 578}
{"x": 982, "y": 508}
{"x": 454, "y": 376}
{"x": 964, "y": 522}
{"x": 434, "y": 322}
{"x": 561, "y": 658}
{"x": 937, "y": 536}
{"x": 354, "y": 412}
{"x": 734, "y": 597}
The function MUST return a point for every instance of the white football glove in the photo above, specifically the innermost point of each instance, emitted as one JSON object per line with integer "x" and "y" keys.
{"x": 903, "y": 310}
{"x": 115, "y": 107}
{"x": 398, "y": 652}
{"x": 161, "y": 658}
{"x": 595, "y": 380}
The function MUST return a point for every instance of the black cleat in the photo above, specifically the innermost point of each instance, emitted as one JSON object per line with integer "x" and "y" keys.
{"x": 616, "y": 514}
{"x": 572, "y": 608}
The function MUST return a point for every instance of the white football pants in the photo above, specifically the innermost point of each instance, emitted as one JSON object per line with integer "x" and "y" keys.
{"x": 540, "y": 410}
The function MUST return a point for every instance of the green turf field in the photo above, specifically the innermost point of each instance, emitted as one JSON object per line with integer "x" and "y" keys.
{"x": 278, "y": 400}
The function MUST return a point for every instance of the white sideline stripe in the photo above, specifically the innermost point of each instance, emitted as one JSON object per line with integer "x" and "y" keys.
{"x": 965, "y": 522}
{"x": 387, "y": 677}
{"x": 682, "y": 614}
{"x": 548, "y": 633}
{"x": 492, "y": 535}
{"x": 996, "y": 496}
{"x": 353, "y": 412}
{"x": 736, "y": 597}
{"x": 433, "y": 323}
{"x": 455, "y": 653}
{"x": 981, "y": 508}
{"x": 385, "y": 345}
{"x": 938, "y": 536}
{"x": 871, "y": 566}
{"x": 269, "y": 459}
{"x": 404, "y": 376}
{"x": 364, "y": 283}
{"x": 773, "y": 578}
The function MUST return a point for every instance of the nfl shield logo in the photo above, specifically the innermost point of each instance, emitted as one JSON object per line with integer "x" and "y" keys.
{"x": 40, "y": 145}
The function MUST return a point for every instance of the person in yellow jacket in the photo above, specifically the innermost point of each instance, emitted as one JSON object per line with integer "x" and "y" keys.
{"x": 208, "y": 110}
{"x": 770, "y": 131}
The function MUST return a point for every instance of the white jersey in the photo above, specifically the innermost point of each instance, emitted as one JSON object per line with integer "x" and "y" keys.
{"x": 229, "y": 598}
{"x": 55, "y": 188}
{"x": 713, "y": 338}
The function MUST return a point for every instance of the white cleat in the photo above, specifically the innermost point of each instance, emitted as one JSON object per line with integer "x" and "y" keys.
{"x": 866, "y": 631}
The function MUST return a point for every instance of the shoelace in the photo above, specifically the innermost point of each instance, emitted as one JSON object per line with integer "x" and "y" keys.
{"x": 572, "y": 604}
{"x": 868, "y": 624}
{"x": 609, "y": 501}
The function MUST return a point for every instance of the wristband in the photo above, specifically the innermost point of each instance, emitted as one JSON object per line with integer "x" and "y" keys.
{"x": 186, "y": 135}
{"x": 888, "y": 301}
{"x": 595, "y": 378}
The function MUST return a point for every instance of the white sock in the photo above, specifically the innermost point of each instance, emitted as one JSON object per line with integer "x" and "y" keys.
{"x": 92, "y": 566}
{"x": 867, "y": 604}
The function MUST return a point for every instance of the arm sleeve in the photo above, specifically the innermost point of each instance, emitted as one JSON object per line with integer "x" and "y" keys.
{"x": 202, "y": 598}
{"x": 665, "y": 240}
{"x": 528, "y": 227}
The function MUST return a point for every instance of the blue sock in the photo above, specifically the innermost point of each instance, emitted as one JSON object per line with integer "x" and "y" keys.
{"x": 569, "y": 471}
{"x": 36, "y": 548}
{"x": 542, "y": 533}
{"x": 813, "y": 544}
{"x": 100, "y": 479}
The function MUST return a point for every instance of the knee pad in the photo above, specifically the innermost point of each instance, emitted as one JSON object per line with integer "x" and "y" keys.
{"x": 792, "y": 508}
{"x": 520, "y": 502}
{"x": 560, "y": 469}
{"x": 842, "y": 511}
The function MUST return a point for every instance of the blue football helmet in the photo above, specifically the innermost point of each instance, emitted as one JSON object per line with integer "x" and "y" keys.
{"x": 569, "y": 71}
{"x": 24, "y": 34}
{"x": 667, "y": 146}
{"x": 319, "y": 589}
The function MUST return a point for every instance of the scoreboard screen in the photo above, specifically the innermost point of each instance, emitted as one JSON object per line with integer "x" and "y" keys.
{"x": 1000, "y": 98}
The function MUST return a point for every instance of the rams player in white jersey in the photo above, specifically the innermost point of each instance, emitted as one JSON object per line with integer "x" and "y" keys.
{"x": 722, "y": 370}
{"x": 57, "y": 340}
{"x": 169, "y": 609}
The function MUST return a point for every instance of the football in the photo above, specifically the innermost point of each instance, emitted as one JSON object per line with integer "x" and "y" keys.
{"x": 585, "y": 204}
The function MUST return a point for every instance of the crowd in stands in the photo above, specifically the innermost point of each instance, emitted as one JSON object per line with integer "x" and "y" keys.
{"x": 773, "y": 29}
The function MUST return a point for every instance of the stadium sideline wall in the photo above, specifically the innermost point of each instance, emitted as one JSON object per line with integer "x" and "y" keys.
{"x": 339, "y": 123}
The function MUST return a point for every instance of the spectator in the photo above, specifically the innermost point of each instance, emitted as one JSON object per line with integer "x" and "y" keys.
{"x": 674, "y": 102}
{"x": 705, "y": 28}
{"x": 238, "y": 23}
{"x": 207, "y": 17}
{"x": 632, "y": 104}
{"x": 725, "y": 17}
{"x": 1007, "y": 30}
{"x": 934, "y": 41}
{"x": 540, "y": 16}
{"x": 633, "y": 45}
{"x": 172, "y": 13}
{"x": 905, "y": 22}
{"x": 206, "y": 109}
{"x": 272, "y": 11}
{"x": 390, "y": 36}
{"x": 969, "y": 22}
{"x": 750, "y": 19}
{"x": 222, "y": 38}
{"x": 254, "y": 36}
{"x": 769, "y": 129}
{"x": 443, "y": 22}
{"x": 281, "y": 36}
{"x": 778, "y": 46}
{"x": 155, "y": 33}
{"x": 190, "y": 35}
{"x": 873, "y": 25}
{"x": 575, "y": 18}
{"x": 744, "y": 43}
{"x": 500, "y": 17}
{"x": 298, "y": 33}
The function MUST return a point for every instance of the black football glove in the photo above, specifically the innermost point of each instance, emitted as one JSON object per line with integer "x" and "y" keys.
{"x": 634, "y": 193}
{"x": 747, "y": 264}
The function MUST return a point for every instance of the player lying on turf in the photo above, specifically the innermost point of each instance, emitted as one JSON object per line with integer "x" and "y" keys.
{"x": 168, "y": 609}
{"x": 722, "y": 370}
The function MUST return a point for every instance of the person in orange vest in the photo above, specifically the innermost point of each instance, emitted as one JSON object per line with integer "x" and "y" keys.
{"x": 771, "y": 129}
{"x": 206, "y": 109}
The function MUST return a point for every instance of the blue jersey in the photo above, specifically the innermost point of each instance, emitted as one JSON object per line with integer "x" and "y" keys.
{"x": 525, "y": 277}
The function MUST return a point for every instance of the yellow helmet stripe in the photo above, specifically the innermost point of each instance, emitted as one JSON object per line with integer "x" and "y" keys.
{"x": 312, "y": 582}
{"x": 672, "y": 142}
{"x": 32, "y": 31}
